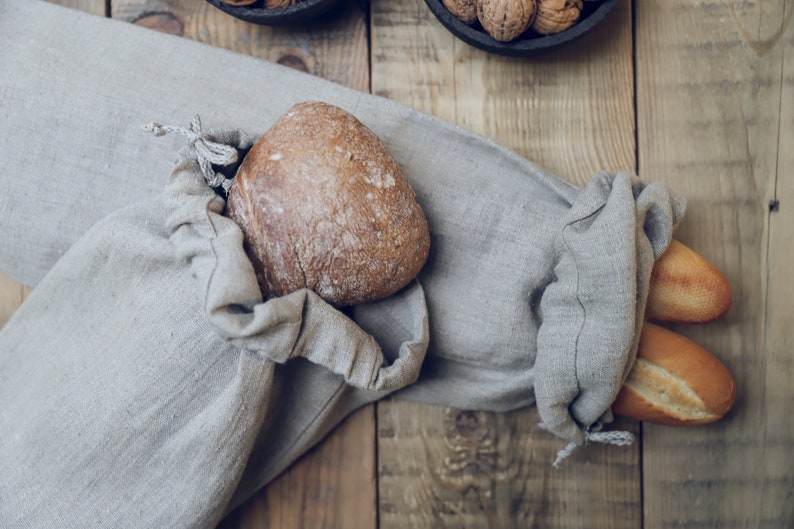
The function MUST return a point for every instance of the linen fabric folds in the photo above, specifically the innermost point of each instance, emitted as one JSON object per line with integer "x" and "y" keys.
{"x": 172, "y": 387}
{"x": 145, "y": 368}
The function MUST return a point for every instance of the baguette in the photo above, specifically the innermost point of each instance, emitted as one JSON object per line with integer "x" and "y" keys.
{"x": 686, "y": 288}
{"x": 675, "y": 382}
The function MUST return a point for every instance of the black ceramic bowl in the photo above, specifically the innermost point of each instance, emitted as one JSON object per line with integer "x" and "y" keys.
{"x": 301, "y": 12}
{"x": 529, "y": 43}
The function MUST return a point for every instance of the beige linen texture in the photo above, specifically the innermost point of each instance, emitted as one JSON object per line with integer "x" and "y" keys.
{"x": 145, "y": 368}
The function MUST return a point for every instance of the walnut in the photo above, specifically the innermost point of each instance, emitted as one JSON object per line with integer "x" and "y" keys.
{"x": 271, "y": 4}
{"x": 465, "y": 10}
{"x": 556, "y": 15}
{"x": 238, "y": 2}
{"x": 505, "y": 20}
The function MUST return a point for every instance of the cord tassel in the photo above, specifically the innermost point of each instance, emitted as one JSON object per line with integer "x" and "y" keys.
{"x": 616, "y": 438}
{"x": 208, "y": 153}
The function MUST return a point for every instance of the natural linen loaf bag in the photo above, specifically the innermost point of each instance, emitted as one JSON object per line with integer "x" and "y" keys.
{"x": 535, "y": 288}
{"x": 145, "y": 367}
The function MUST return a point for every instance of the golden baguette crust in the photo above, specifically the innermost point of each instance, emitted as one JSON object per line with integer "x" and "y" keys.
{"x": 685, "y": 287}
{"x": 675, "y": 382}
{"x": 323, "y": 205}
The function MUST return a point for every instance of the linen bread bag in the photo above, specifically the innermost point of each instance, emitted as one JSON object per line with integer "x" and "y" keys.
{"x": 145, "y": 368}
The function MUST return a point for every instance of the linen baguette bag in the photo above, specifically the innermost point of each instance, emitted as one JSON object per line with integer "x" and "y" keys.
{"x": 535, "y": 288}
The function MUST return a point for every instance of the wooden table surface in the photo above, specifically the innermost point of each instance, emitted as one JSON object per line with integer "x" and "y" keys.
{"x": 699, "y": 95}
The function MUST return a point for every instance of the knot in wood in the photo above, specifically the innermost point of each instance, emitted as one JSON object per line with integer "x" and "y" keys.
{"x": 294, "y": 62}
{"x": 469, "y": 425}
{"x": 474, "y": 456}
{"x": 162, "y": 21}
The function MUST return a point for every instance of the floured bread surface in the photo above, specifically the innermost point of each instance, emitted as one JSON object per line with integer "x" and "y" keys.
{"x": 323, "y": 205}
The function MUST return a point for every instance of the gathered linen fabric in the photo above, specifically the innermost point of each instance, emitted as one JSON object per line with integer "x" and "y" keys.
{"x": 534, "y": 289}
{"x": 145, "y": 368}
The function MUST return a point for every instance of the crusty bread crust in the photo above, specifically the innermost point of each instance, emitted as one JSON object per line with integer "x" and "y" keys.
{"x": 685, "y": 287}
{"x": 675, "y": 382}
{"x": 324, "y": 205}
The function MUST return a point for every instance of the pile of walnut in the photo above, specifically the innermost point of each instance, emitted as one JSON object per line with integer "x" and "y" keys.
{"x": 269, "y": 4}
{"x": 506, "y": 20}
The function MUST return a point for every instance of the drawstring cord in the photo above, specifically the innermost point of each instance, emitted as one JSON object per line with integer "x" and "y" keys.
{"x": 617, "y": 438}
{"x": 207, "y": 151}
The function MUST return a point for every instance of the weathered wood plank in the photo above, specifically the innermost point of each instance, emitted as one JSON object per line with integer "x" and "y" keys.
{"x": 334, "y": 48}
{"x": 444, "y": 467}
{"x": 775, "y": 503}
{"x": 714, "y": 93}
{"x": 570, "y": 111}
{"x": 12, "y": 294}
{"x": 334, "y": 484}
{"x": 97, "y": 7}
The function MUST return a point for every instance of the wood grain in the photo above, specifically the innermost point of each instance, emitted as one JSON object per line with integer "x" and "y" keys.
{"x": 334, "y": 48}
{"x": 712, "y": 88}
{"x": 445, "y": 467}
{"x": 96, "y": 7}
{"x": 12, "y": 294}
{"x": 776, "y": 479}
{"x": 570, "y": 111}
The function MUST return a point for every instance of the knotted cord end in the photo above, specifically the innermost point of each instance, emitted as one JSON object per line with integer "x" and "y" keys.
{"x": 155, "y": 128}
{"x": 616, "y": 438}
{"x": 207, "y": 152}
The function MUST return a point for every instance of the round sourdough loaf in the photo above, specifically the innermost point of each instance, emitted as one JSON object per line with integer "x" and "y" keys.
{"x": 323, "y": 205}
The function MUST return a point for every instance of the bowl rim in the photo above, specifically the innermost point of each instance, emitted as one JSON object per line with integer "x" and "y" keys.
{"x": 302, "y": 11}
{"x": 524, "y": 45}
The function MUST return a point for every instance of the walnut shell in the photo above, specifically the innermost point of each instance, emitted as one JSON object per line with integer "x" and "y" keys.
{"x": 505, "y": 20}
{"x": 554, "y": 16}
{"x": 465, "y": 10}
{"x": 272, "y": 4}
